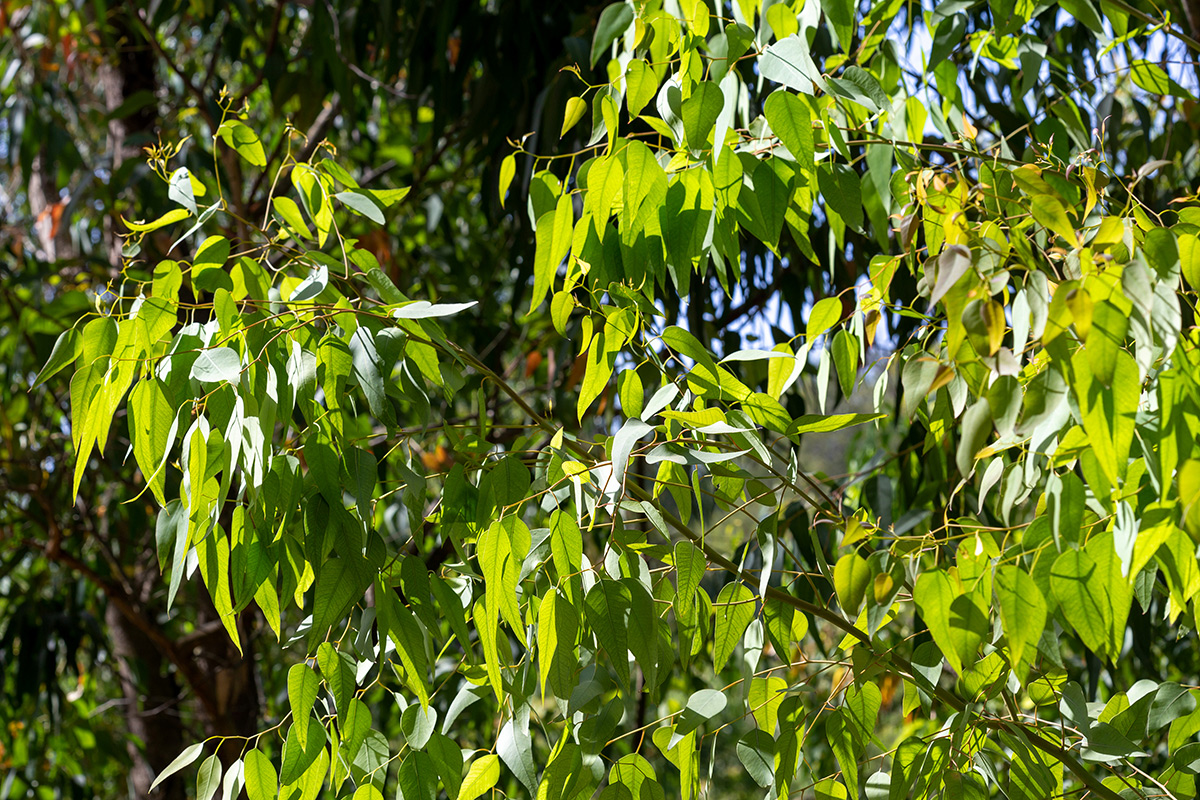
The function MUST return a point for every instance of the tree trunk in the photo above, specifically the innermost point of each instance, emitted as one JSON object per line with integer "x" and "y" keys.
{"x": 151, "y": 709}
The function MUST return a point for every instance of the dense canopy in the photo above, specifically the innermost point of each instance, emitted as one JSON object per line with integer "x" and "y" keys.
{"x": 654, "y": 399}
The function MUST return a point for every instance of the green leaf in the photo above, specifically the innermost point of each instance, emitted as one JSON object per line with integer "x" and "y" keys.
{"x": 768, "y": 412}
{"x": 245, "y": 141}
{"x": 764, "y": 699}
{"x": 861, "y": 710}
{"x": 762, "y": 210}
{"x": 1077, "y": 584}
{"x": 508, "y": 171}
{"x": 976, "y": 429}
{"x": 312, "y": 285}
{"x": 448, "y": 761}
{"x": 389, "y": 197}
{"x": 600, "y": 358}
{"x": 303, "y": 685}
{"x": 208, "y": 780}
{"x": 842, "y": 190}
{"x": 631, "y": 392}
{"x": 641, "y": 85}
{"x": 613, "y": 22}
{"x": 1050, "y": 213}
{"x": 561, "y": 305}
{"x": 487, "y": 624}
{"x": 953, "y": 263}
{"x": 949, "y": 36}
{"x": 417, "y": 723}
{"x": 824, "y": 315}
{"x": 67, "y": 348}
{"x": 606, "y": 607}
{"x": 213, "y": 252}
{"x": 576, "y": 107}
{"x": 734, "y": 608}
{"x": 756, "y": 751}
{"x": 1189, "y": 258}
{"x": 851, "y": 575}
{"x": 289, "y": 213}
{"x": 683, "y": 342}
{"x": 860, "y": 86}
{"x": 481, "y": 777}
{"x": 338, "y": 670}
{"x": 841, "y": 17}
{"x": 791, "y": 122}
{"x": 362, "y": 205}
{"x": 151, "y": 431}
{"x": 957, "y": 620}
{"x": 418, "y": 778}
{"x": 515, "y": 747}
{"x": 566, "y": 543}
{"x": 297, "y": 757}
{"x": 623, "y": 444}
{"x": 180, "y": 190}
{"x": 706, "y": 703}
{"x": 1108, "y": 414}
{"x": 501, "y": 550}
{"x": 423, "y": 309}
{"x": 690, "y": 566}
{"x": 314, "y": 197}
{"x": 1022, "y": 610}
{"x": 700, "y": 113}
{"x": 643, "y": 632}
{"x": 217, "y": 365}
{"x": 355, "y": 728}
{"x": 1153, "y": 78}
{"x": 337, "y": 172}
{"x": 261, "y": 780}
{"x": 340, "y": 585}
{"x": 605, "y": 181}
{"x": 831, "y": 789}
{"x": 818, "y": 423}
{"x": 845, "y": 747}
{"x": 190, "y": 754}
{"x": 637, "y": 775}
{"x": 558, "y": 630}
{"x": 701, "y": 706}
{"x": 553, "y": 243}
{"x": 790, "y": 62}
{"x": 845, "y": 360}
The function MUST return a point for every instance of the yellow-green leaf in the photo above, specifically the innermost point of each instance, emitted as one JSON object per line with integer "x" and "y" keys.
{"x": 576, "y": 107}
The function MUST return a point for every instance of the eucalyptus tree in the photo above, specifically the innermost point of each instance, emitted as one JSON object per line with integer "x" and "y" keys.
{"x": 605, "y": 562}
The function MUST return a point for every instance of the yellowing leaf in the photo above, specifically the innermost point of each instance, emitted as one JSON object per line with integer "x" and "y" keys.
{"x": 174, "y": 215}
{"x": 508, "y": 171}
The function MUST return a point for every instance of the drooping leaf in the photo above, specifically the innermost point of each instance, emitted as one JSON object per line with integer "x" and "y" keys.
{"x": 734, "y": 607}
{"x": 189, "y": 755}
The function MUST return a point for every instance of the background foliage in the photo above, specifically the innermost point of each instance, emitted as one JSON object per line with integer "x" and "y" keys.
{"x": 805, "y": 406}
